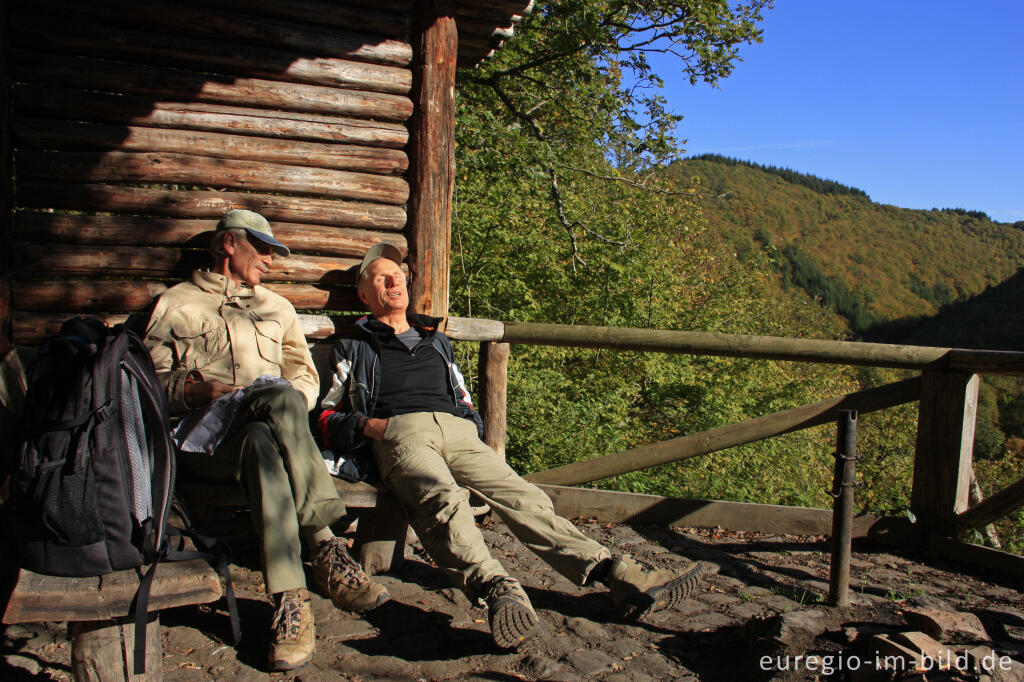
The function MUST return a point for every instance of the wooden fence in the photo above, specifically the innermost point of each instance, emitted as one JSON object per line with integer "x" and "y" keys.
{"x": 947, "y": 389}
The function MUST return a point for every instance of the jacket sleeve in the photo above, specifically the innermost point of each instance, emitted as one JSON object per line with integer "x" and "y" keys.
{"x": 340, "y": 422}
{"x": 463, "y": 401}
{"x": 297, "y": 362}
{"x": 160, "y": 343}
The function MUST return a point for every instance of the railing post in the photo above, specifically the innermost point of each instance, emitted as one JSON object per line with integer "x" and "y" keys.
{"x": 843, "y": 483}
{"x": 945, "y": 445}
{"x": 493, "y": 393}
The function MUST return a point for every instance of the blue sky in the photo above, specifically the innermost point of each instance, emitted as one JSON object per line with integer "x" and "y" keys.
{"x": 920, "y": 103}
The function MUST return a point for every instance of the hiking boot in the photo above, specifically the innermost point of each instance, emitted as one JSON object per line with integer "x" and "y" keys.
{"x": 512, "y": 619}
{"x": 293, "y": 636}
{"x": 343, "y": 580}
{"x": 637, "y": 591}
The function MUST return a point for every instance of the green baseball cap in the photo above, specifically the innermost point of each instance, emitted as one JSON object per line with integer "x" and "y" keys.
{"x": 255, "y": 225}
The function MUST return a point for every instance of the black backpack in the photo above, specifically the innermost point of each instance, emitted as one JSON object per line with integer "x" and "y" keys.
{"x": 95, "y": 472}
{"x": 94, "y": 479}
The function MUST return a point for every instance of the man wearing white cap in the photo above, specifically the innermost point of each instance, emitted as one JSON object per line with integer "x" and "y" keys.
{"x": 214, "y": 335}
{"x": 398, "y": 398}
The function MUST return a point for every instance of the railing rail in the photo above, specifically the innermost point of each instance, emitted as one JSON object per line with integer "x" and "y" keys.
{"x": 740, "y": 346}
{"x": 759, "y": 428}
{"x": 947, "y": 390}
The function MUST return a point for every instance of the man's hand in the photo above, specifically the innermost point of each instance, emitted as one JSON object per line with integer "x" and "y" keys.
{"x": 199, "y": 393}
{"x": 374, "y": 428}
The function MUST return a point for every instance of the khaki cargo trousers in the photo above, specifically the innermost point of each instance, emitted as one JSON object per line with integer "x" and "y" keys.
{"x": 431, "y": 459}
{"x": 271, "y": 454}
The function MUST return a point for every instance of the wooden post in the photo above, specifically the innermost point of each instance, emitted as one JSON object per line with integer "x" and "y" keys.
{"x": 974, "y": 499}
{"x": 380, "y": 536}
{"x": 103, "y": 650}
{"x": 432, "y": 156}
{"x": 493, "y": 393}
{"x": 6, "y": 183}
{"x": 945, "y": 444}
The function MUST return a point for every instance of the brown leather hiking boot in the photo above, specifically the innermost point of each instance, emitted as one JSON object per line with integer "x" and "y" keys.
{"x": 512, "y": 619}
{"x": 293, "y": 636}
{"x": 343, "y": 580}
{"x": 637, "y": 591}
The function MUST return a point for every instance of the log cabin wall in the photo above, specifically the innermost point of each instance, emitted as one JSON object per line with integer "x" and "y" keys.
{"x": 135, "y": 126}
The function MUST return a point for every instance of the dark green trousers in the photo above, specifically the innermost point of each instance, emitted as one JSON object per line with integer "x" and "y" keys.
{"x": 271, "y": 454}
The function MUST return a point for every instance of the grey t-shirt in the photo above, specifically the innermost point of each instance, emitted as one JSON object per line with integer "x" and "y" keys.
{"x": 410, "y": 337}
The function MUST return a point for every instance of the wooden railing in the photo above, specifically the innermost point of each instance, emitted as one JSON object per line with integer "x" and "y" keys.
{"x": 947, "y": 389}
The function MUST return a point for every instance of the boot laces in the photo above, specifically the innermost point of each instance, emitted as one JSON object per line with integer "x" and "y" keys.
{"x": 503, "y": 587}
{"x": 288, "y": 617}
{"x": 340, "y": 564}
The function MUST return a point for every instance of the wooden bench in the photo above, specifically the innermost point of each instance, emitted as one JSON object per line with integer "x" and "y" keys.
{"x": 97, "y": 609}
{"x": 102, "y": 636}
{"x": 380, "y": 532}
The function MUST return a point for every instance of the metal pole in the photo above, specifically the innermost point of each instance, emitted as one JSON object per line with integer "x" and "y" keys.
{"x": 843, "y": 483}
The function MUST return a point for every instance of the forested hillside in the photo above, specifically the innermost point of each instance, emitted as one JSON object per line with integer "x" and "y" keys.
{"x": 872, "y": 263}
{"x": 569, "y": 210}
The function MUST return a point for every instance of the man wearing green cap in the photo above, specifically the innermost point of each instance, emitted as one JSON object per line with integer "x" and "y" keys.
{"x": 216, "y": 334}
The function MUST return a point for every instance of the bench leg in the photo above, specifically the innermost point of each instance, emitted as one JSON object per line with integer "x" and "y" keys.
{"x": 380, "y": 536}
{"x": 103, "y": 650}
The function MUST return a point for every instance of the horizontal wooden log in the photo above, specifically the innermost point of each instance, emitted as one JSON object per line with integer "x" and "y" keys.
{"x": 83, "y": 37}
{"x": 495, "y": 12}
{"x": 190, "y": 169}
{"x": 609, "y": 506}
{"x": 248, "y": 27}
{"x": 30, "y": 328}
{"x": 357, "y": 495}
{"x": 379, "y": 18}
{"x": 39, "y": 597}
{"x": 1009, "y": 565}
{"x": 399, "y": 8}
{"x": 509, "y": 7}
{"x": 759, "y": 428}
{"x": 728, "y": 345}
{"x": 51, "y": 134}
{"x": 992, "y": 509}
{"x": 89, "y": 296}
{"x": 473, "y": 329}
{"x": 767, "y": 348}
{"x": 67, "y": 228}
{"x": 140, "y": 111}
{"x": 85, "y": 296}
{"x": 204, "y": 204}
{"x": 481, "y": 45}
{"x": 319, "y": 297}
{"x": 985, "y": 361}
{"x": 495, "y": 29}
{"x": 132, "y": 79}
{"x": 62, "y": 260}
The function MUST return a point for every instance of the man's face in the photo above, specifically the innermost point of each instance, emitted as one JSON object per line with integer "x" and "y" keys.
{"x": 383, "y": 288}
{"x": 248, "y": 260}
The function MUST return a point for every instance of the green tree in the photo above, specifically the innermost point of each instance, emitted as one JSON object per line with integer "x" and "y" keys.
{"x": 564, "y": 213}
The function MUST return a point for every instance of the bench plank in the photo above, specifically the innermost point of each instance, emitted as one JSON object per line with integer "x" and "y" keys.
{"x": 356, "y": 495}
{"x": 39, "y": 597}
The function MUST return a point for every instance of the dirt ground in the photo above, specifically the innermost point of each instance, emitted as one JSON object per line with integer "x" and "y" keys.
{"x": 764, "y": 608}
